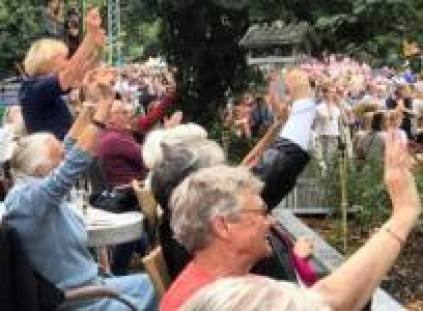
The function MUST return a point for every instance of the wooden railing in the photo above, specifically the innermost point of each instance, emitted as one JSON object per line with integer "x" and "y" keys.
{"x": 326, "y": 258}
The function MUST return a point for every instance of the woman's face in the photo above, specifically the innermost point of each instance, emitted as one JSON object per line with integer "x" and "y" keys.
{"x": 121, "y": 115}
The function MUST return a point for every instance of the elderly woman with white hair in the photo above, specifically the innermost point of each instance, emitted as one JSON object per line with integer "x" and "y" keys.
{"x": 50, "y": 75}
{"x": 219, "y": 216}
{"x": 53, "y": 236}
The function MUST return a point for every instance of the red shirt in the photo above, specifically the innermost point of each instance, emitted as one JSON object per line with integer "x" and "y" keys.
{"x": 191, "y": 279}
{"x": 155, "y": 114}
{"x": 120, "y": 157}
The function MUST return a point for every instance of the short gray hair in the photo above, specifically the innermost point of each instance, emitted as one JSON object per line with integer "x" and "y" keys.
{"x": 30, "y": 153}
{"x": 152, "y": 150}
{"x": 202, "y": 196}
{"x": 254, "y": 293}
{"x": 179, "y": 160}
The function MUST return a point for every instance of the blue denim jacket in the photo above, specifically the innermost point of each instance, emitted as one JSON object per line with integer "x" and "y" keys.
{"x": 53, "y": 236}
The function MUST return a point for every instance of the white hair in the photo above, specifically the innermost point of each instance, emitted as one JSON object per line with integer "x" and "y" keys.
{"x": 254, "y": 293}
{"x": 152, "y": 151}
{"x": 30, "y": 153}
{"x": 202, "y": 196}
{"x": 178, "y": 161}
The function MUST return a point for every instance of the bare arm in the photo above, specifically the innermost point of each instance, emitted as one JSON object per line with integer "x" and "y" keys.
{"x": 87, "y": 53}
{"x": 350, "y": 286}
{"x": 102, "y": 92}
{"x": 280, "y": 112}
{"x": 258, "y": 150}
{"x": 84, "y": 118}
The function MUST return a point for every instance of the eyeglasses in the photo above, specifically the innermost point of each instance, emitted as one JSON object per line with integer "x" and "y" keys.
{"x": 260, "y": 211}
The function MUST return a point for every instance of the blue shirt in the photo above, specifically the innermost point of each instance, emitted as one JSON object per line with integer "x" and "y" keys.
{"x": 43, "y": 107}
{"x": 54, "y": 238}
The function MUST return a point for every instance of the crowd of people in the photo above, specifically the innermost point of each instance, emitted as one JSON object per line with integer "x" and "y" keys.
{"x": 222, "y": 248}
{"x": 355, "y": 104}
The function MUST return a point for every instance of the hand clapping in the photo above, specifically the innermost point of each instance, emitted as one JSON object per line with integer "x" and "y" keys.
{"x": 98, "y": 84}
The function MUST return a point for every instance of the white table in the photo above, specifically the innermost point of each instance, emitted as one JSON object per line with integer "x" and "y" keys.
{"x": 105, "y": 228}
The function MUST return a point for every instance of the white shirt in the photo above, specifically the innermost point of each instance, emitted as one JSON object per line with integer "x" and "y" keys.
{"x": 327, "y": 120}
{"x": 298, "y": 126}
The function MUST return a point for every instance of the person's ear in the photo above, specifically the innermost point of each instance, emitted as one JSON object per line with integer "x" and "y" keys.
{"x": 42, "y": 170}
{"x": 219, "y": 228}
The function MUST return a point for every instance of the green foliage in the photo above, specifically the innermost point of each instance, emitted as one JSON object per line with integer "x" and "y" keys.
{"x": 205, "y": 49}
{"x": 201, "y": 40}
{"x": 140, "y": 29}
{"x": 19, "y": 26}
{"x": 237, "y": 147}
{"x": 200, "y": 37}
{"x": 366, "y": 190}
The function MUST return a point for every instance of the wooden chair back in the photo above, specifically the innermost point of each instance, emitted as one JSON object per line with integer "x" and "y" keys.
{"x": 155, "y": 266}
{"x": 146, "y": 201}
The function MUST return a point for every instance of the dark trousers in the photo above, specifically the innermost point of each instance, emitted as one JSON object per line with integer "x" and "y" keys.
{"x": 122, "y": 255}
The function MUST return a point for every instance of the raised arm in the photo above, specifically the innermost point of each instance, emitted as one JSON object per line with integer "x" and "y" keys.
{"x": 350, "y": 286}
{"x": 254, "y": 155}
{"x": 144, "y": 123}
{"x": 280, "y": 110}
{"x": 84, "y": 134}
{"x": 87, "y": 53}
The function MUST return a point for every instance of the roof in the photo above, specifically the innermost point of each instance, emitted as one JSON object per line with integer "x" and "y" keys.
{"x": 277, "y": 33}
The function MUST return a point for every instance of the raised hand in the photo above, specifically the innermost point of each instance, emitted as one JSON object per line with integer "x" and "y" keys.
{"x": 174, "y": 120}
{"x": 98, "y": 84}
{"x": 398, "y": 177}
{"x": 93, "y": 20}
{"x": 303, "y": 247}
{"x": 99, "y": 37}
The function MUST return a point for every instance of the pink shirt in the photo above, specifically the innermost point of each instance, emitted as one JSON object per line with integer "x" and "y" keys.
{"x": 192, "y": 278}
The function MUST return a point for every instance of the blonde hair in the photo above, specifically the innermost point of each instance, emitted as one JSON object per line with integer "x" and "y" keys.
{"x": 40, "y": 54}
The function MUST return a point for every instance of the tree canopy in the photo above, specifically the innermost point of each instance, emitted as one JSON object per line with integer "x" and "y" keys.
{"x": 200, "y": 37}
